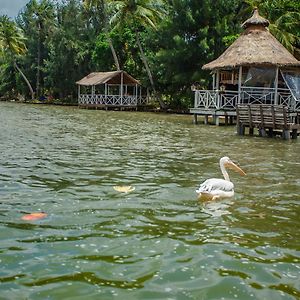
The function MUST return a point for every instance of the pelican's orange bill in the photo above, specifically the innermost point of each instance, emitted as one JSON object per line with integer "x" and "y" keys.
{"x": 233, "y": 166}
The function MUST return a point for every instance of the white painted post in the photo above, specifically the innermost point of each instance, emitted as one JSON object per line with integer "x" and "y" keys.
{"x": 276, "y": 86}
{"x": 136, "y": 93}
{"x": 79, "y": 100}
{"x": 240, "y": 84}
{"x": 122, "y": 79}
{"x": 217, "y": 88}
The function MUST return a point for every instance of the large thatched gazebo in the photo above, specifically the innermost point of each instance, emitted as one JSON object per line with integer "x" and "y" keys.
{"x": 256, "y": 69}
{"x": 115, "y": 89}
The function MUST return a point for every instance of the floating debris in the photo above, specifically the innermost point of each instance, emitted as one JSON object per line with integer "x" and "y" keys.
{"x": 124, "y": 188}
{"x": 34, "y": 216}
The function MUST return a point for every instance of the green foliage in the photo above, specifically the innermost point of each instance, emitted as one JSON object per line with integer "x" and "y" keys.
{"x": 56, "y": 43}
{"x": 284, "y": 17}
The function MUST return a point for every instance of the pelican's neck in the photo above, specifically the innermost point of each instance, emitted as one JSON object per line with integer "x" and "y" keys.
{"x": 224, "y": 172}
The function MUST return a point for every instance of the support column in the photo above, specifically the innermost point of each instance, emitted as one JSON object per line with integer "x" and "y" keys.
{"x": 218, "y": 87}
{"x": 214, "y": 81}
{"x": 121, "y": 94}
{"x": 206, "y": 119}
{"x": 79, "y": 100}
{"x": 240, "y": 84}
{"x": 276, "y": 87}
{"x": 195, "y": 119}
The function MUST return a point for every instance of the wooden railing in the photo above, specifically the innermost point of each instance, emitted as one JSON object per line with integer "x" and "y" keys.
{"x": 111, "y": 100}
{"x": 228, "y": 100}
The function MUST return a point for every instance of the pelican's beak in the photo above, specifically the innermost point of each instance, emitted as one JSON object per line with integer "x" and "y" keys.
{"x": 231, "y": 165}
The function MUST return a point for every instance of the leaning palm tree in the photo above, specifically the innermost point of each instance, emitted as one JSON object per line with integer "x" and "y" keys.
{"x": 136, "y": 14}
{"x": 12, "y": 45}
{"x": 100, "y": 6}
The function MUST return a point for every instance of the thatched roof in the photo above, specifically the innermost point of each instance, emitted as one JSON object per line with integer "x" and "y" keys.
{"x": 114, "y": 77}
{"x": 255, "y": 46}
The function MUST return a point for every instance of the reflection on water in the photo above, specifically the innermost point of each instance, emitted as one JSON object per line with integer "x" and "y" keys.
{"x": 157, "y": 241}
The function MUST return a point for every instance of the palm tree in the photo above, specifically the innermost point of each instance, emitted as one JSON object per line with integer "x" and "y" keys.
{"x": 283, "y": 17}
{"x": 42, "y": 20}
{"x": 136, "y": 14}
{"x": 100, "y": 6}
{"x": 12, "y": 45}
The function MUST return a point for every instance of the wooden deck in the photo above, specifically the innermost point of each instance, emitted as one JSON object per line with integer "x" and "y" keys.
{"x": 270, "y": 120}
{"x": 218, "y": 103}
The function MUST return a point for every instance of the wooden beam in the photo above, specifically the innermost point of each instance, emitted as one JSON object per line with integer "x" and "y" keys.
{"x": 121, "y": 94}
{"x": 240, "y": 84}
{"x": 276, "y": 86}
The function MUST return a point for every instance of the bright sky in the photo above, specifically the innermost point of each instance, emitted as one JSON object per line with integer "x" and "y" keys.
{"x": 11, "y": 7}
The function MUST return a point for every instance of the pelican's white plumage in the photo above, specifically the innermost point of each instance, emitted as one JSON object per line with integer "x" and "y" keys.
{"x": 215, "y": 188}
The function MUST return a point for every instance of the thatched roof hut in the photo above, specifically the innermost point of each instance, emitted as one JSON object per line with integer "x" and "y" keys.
{"x": 110, "y": 89}
{"x": 255, "y": 46}
{"x": 113, "y": 77}
{"x": 255, "y": 69}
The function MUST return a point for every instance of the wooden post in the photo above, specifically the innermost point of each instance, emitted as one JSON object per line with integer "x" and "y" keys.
{"x": 218, "y": 86}
{"x": 276, "y": 87}
{"x": 214, "y": 81}
{"x": 195, "y": 119}
{"x": 136, "y": 93}
{"x": 294, "y": 133}
{"x": 121, "y": 94}
{"x": 206, "y": 119}
{"x": 105, "y": 92}
{"x": 240, "y": 84}
{"x": 79, "y": 94}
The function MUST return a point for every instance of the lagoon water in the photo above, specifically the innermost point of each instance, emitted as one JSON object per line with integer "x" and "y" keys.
{"x": 157, "y": 242}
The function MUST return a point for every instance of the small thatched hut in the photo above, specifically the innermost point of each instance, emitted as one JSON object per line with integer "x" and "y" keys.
{"x": 256, "y": 68}
{"x": 110, "y": 89}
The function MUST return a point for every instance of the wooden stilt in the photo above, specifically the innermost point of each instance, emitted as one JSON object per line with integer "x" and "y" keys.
{"x": 294, "y": 134}
{"x": 195, "y": 119}
{"x": 226, "y": 120}
{"x": 206, "y": 119}
{"x": 286, "y": 134}
{"x": 240, "y": 129}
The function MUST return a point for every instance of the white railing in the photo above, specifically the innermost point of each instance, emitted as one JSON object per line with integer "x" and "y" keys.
{"x": 228, "y": 100}
{"x": 113, "y": 100}
{"x": 215, "y": 99}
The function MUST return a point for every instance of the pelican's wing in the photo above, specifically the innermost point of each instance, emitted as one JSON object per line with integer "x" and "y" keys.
{"x": 215, "y": 184}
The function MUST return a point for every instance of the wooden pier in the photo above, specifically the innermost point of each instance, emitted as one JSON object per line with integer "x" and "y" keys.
{"x": 270, "y": 120}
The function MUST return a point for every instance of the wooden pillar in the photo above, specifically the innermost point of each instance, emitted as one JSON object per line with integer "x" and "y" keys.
{"x": 214, "y": 81}
{"x": 240, "y": 84}
{"x": 216, "y": 120}
{"x": 106, "y": 92}
{"x": 195, "y": 119}
{"x": 218, "y": 87}
{"x": 78, "y": 94}
{"x": 136, "y": 93}
{"x": 276, "y": 87}
{"x": 121, "y": 94}
{"x": 206, "y": 119}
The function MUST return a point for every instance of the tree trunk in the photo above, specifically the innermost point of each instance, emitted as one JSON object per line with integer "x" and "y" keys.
{"x": 38, "y": 72}
{"x": 144, "y": 59}
{"x": 112, "y": 49}
{"x": 26, "y": 80}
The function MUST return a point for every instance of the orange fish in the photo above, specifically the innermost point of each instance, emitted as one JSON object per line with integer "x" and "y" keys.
{"x": 34, "y": 216}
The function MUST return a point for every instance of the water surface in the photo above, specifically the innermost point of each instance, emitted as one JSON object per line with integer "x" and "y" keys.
{"x": 157, "y": 242}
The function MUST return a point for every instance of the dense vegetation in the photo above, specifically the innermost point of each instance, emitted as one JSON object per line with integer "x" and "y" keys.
{"x": 52, "y": 44}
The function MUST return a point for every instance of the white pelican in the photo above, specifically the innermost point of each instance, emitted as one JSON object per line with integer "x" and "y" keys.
{"x": 215, "y": 188}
